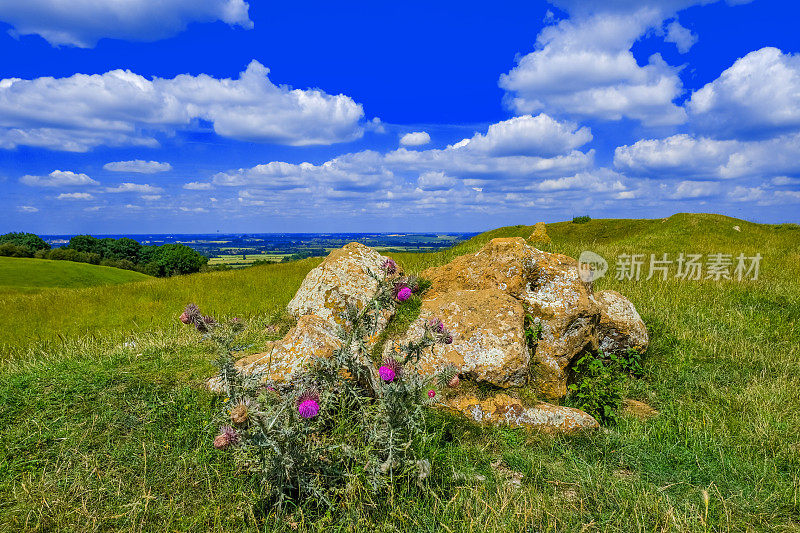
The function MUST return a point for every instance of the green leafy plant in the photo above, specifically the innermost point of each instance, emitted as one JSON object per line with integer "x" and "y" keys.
{"x": 629, "y": 362}
{"x": 598, "y": 388}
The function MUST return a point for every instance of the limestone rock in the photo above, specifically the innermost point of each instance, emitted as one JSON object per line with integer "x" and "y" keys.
{"x": 539, "y": 235}
{"x": 311, "y": 337}
{"x": 342, "y": 278}
{"x": 504, "y": 264}
{"x": 549, "y": 287}
{"x": 503, "y": 409}
{"x": 488, "y": 341}
{"x": 561, "y": 302}
{"x": 620, "y": 326}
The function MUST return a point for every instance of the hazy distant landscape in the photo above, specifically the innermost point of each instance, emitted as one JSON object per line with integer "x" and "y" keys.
{"x": 243, "y": 249}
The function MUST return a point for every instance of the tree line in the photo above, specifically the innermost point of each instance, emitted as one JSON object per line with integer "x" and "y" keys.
{"x": 161, "y": 261}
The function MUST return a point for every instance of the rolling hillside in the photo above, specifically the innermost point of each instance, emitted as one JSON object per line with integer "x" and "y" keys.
{"x": 32, "y": 275}
{"x": 105, "y": 425}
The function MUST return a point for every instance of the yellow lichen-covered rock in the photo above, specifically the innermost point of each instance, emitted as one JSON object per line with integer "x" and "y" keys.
{"x": 488, "y": 341}
{"x": 620, "y": 326}
{"x": 547, "y": 285}
{"x": 561, "y": 302}
{"x": 311, "y": 337}
{"x": 539, "y": 235}
{"x": 502, "y": 409}
{"x": 502, "y": 264}
{"x": 342, "y": 278}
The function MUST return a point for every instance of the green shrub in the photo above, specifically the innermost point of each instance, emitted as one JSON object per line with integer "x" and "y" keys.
{"x": 581, "y": 220}
{"x": 29, "y": 240}
{"x": 9, "y": 249}
{"x": 598, "y": 387}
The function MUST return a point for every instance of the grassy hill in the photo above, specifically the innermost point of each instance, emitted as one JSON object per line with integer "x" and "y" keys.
{"x": 104, "y": 424}
{"x": 23, "y": 275}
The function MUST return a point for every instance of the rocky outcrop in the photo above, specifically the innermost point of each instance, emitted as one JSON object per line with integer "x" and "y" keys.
{"x": 311, "y": 337}
{"x": 503, "y": 409}
{"x": 517, "y": 316}
{"x": 561, "y": 303}
{"x": 620, "y": 328}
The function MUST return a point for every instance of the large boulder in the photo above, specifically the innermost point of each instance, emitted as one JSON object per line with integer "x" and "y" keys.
{"x": 503, "y": 409}
{"x": 620, "y": 328}
{"x": 547, "y": 286}
{"x": 345, "y": 277}
{"x": 488, "y": 340}
{"x": 505, "y": 264}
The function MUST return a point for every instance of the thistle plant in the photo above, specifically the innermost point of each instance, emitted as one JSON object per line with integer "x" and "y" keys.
{"x": 340, "y": 418}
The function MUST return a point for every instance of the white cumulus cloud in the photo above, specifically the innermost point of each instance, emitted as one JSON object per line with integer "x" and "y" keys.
{"x": 758, "y": 95}
{"x": 583, "y": 66}
{"x": 120, "y": 107}
{"x": 695, "y": 189}
{"x": 198, "y": 186}
{"x": 74, "y": 196}
{"x": 138, "y": 166}
{"x": 142, "y": 188}
{"x": 58, "y": 178}
{"x": 527, "y": 135}
{"x": 683, "y": 38}
{"x": 83, "y": 22}
{"x": 415, "y": 138}
{"x": 685, "y": 156}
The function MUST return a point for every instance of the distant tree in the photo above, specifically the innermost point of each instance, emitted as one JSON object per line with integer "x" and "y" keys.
{"x": 86, "y": 243}
{"x": 179, "y": 259}
{"x": 119, "y": 249}
{"x": 29, "y": 240}
{"x": 581, "y": 220}
{"x": 151, "y": 269}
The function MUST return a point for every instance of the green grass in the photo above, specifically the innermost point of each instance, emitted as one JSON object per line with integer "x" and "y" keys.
{"x": 22, "y": 275}
{"x": 104, "y": 424}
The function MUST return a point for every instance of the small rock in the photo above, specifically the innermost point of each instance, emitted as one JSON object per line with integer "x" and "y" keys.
{"x": 502, "y": 409}
{"x": 638, "y": 409}
{"x": 311, "y": 337}
{"x": 737, "y": 228}
{"x": 539, "y": 235}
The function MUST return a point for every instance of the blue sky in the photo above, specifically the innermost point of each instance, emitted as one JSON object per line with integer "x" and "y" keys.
{"x": 215, "y": 115}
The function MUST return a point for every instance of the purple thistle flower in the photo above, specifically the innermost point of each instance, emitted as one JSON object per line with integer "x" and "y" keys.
{"x": 386, "y": 373}
{"x": 308, "y": 404}
{"x": 227, "y": 436}
{"x": 389, "y": 266}
{"x": 436, "y": 325}
{"x": 404, "y": 294}
{"x": 308, "y": 409}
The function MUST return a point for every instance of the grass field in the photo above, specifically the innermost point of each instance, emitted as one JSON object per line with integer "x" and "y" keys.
{"x": 242, "y": 260}
{"x": 104, "y": 425}
{"x": 22, "y": 275}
